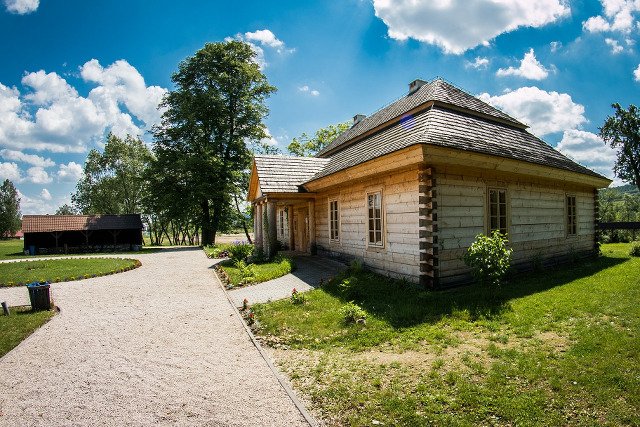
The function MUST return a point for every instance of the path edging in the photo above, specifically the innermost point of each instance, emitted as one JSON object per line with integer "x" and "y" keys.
{"x": 299, "y": 405}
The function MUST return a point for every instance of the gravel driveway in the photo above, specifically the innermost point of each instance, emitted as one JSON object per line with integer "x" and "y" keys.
{"x": 160, "y": 344}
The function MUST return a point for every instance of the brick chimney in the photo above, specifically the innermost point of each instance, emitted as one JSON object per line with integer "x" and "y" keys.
{"x": 415, "y": 85}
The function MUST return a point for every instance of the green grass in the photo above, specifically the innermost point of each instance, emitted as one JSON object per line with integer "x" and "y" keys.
{"x": 21, "y": 323}
{"x": 552, "y": 348}
{"x": 14, "y": 248}
{"x": 61, "y": 270}
{"x": 261, "y": 272}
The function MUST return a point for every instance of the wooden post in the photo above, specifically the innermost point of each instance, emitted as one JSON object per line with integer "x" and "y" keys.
{"x": 312, "y": 226}
{"x": 5, "y": 308}
{"x": 272, "y": 229}
{"x": 257, "y": 219}
{"x": 292, "y": 240}
{"x": 428, "y": 227}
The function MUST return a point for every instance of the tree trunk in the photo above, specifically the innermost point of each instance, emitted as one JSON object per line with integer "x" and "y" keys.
{"x": 244, "y": 223}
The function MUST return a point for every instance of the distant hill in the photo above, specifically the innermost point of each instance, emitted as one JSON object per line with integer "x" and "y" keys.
{"x": 629, "y": 188}
{"x": 615, "y": 194}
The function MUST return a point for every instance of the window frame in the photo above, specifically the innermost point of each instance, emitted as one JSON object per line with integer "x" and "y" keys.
{"x": 569, "y": 232}
{"x": 370, "y": 244}
{"x": 281, "y": 220}
{"x": 507, "y": 210}
{"x": 338, "y": 229}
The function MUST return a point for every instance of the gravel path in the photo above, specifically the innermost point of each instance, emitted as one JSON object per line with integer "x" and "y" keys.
{"x": 158, "y": 345}
{"x": 309, "y": 272}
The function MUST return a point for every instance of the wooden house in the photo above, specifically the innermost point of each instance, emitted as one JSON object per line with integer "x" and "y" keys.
{"x": 407, "y": 189}
{"x": 81, "y": 233}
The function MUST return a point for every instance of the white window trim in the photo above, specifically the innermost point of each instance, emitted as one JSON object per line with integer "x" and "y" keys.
{"x": 382, "y": 219}
{"x": 339, "y": 220}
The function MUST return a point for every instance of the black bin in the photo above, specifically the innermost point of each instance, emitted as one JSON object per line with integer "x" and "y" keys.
{"x": 39, "y": 296}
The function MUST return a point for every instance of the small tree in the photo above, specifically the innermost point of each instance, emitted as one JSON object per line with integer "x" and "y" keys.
{"x": 9, "y": 209}
{"x": 622, "y": 132}
{"x": 308, "y": 146}
{"x": 66, "y": 210}
{"x": 489, "y": 258}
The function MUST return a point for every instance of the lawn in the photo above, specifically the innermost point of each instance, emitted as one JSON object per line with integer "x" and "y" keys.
{"x": 240, "y": 275}
{"x": 21, "y": 323}
{"x": 14, "y": 248}
{"x": 61, "y": 270}
{"x": 556, "y": 347}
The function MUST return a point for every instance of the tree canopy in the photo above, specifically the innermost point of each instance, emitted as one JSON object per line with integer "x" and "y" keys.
{"x": 66, "y": 209}
{"x": 9, "y": 209}
{"x": 308, "y": 146}
{"x": 214, "y": 113}
{"x": 113, "y": 181}
{"x": 622, "y": 132}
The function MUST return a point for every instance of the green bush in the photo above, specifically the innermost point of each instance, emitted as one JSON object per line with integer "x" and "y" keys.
{"x": 635, "y": 249}
{"x": 353, "y": 313}
{"x": 489, "y": 258}
{"x": 298, "y": 298}
{"x": 240, "y": 251}
{"x": 247, "y": 272}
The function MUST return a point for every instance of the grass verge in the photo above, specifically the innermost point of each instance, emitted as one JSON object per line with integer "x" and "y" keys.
{"x": 552, "y": 348}
{"x": 61, "y": 270}
{"x": 237, "y": 275}
{"x": 14, "y": 248}
{"x": 21, "y": 323}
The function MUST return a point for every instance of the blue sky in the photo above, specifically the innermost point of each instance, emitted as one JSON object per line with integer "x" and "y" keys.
{"x": 74, "y": 70}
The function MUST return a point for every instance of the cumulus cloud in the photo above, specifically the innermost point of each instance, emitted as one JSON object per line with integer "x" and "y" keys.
{"x": 588, "y": 149}
{"x": 10, "y": 171}
{"x": 619, "y": 15}
{"x": 45, "y": 194}
{"x": 614, "y": 45}
{"x": 545, "y": 112}
{"x": 36, "y": 205}
{"x": 51, "y": 115}
{"x": 636, "y": 73}
{"x": 70, "y": 172}
{"x": 32, "y": 159}
{"x": 530, "y": 68}
{"x": 21, "y": 7}
{"x": 260, "y": 39}
{"x": 458, "y": 25}
{"x": 38, "y": 175}
{"x": 307, "y": 89}
{"x": 479, "y": 63}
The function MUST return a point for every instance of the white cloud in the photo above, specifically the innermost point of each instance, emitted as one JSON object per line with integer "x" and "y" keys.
{"x": 589, "y": 150}
{"x": 545, "y": 112}
{"x": 70, "y": 172}
{"x": 307, "y": 89}
{"x": 45, "y": 194}
{"x": 265, "y": 38}
{"x": 479, "y": 63}
{"x": 530, "y": 68}
{"x": 614, "y": 45}
{"x": 459, "y": 25}
{"x": 37, "y": 205}
{"x": 636, "y": 73}
{"x": 52, "y": 116}
{"x": 10, "y": 171}
{"x": 618, "y": 16}
{"x": 21, "y": 7}
{"x": 38, "y": 175}
{"x": 555, "y": 46}
{"x": 32, "y": 159}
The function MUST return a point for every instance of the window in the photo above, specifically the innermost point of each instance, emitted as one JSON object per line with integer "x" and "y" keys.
{"x": 374, "y": 208}
{"x": 497, "y": 210}
{"x": 334, "y": 221}
{"x": 281, "y": 222}
{"x": 571, "y": 216}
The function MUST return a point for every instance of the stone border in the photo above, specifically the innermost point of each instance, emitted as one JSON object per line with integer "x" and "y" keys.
{"x": 299, "y": 405}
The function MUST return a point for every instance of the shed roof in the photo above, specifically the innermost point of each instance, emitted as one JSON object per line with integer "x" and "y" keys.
{"x": 284, "y": 174}
{"x": 50, "y": 223}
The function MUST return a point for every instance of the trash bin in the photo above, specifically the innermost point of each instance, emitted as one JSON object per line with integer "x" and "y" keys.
{"x": 32, "y": 250}
{"x": 39, "y": 296}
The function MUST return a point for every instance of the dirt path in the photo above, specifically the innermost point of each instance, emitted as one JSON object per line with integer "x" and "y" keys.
{"x": 157, "y": 345}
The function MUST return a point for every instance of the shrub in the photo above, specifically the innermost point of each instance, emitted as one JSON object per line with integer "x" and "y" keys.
{"x": 247, "y": 272}
{"x": 240, "y": 251}
{"x": 353, "y": 313}
{"x": 297, "y": 297}
{"x": 635, "y": 249}
{"x": 489, "y": 258}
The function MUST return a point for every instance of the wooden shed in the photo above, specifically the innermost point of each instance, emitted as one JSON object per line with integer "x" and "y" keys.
{"x": 407, "y": 189}
{"x": 81, "y": 233}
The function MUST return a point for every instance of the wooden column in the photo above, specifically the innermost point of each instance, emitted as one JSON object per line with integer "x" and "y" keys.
{"x": 272, "y": 229}
{"x": 312, "y": 226}
{"x": 257, "y": 226}
{"x": 428, "y": 228}
{"x": 292, "y": 240}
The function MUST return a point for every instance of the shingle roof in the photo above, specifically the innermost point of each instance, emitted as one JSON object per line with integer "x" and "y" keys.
{"x": 284, "y": 174}
{"x": 437, "y": 90}
{"x": 49, "y": 223}
{"x": 443, "y": 127}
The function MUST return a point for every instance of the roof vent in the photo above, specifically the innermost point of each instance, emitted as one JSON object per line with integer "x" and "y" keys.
{"x": 415, "y": 85}
{"x": 358, "y": 118}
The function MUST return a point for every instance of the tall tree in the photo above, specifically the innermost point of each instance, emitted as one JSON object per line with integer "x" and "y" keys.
{"x": 9, "y": 209}
{"x": 308, "y": 146}
{"x": 217, "y": 108}
{"x": 622, "y": 132}
{"x": 112, "y": 181}
{"x": 66, "y": 210}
